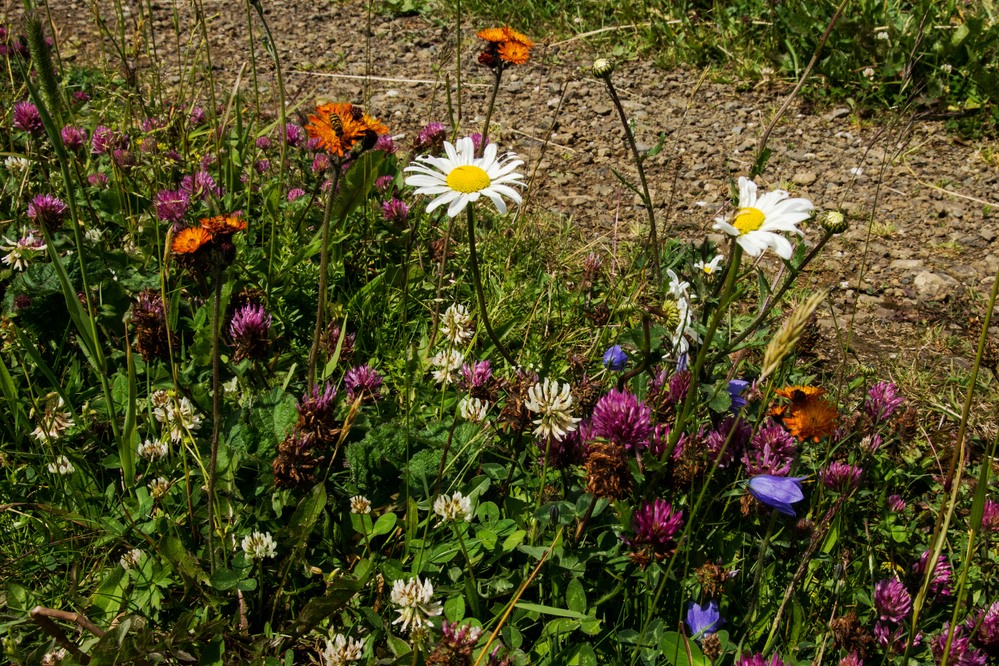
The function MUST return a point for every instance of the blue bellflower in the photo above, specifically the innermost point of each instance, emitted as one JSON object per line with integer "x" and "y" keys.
{"x": 615, "y": 358}
{"x": 777, "y": 492}
{"x": 703, "y": 620}
{"x": 736, "y": 387}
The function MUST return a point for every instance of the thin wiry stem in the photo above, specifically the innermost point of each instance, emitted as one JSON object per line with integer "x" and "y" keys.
{"x": 324, "y": 260}
{"x": 477, "y": 281}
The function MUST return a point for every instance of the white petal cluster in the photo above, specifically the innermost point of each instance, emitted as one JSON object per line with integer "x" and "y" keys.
{"x": 259, "y": 545}
{"x": 360, "y": 504}
{"x": 158, "y": 487}
{"x": 54, "y": 421}
{"x": 342, "y": 650}
{"x": 454, "y": 507}
{"x": 473, "y": 409}
{"x": 131, "y": 559}
{"x": 446, "y": 364}
{"x": 456, "y": 325}
{"x": 176, "y": 415}
{"x": 758, "y": 222}
{"x": 711, "y": 267}
{"x": 62, "y": 466}
{"x": 416, "y": 603}
{"x": 553, "y": 404}
{"x": 153, "y": 450}
{"x": 21, "y": 252}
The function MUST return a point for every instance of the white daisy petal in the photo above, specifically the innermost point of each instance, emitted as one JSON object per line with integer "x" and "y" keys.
{"x": 760, "y": 219}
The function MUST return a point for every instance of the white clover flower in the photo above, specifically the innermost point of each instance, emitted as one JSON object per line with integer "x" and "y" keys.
{"x": 447, "y": 363}
{"x": 153, "y": 450}
{"x": 62, "y": 466}
{"x": 868, "y": 72}
{"x": 93, "y": 234}
{"x": 341, "y": 650}
{"x": 882, "y": 36}
{"x": 461, "y": 178}
{"x": 416, "y": 601}
{"x": 456, "y": 507}
{"x": 17, "y": 165}
{"x": 947, "y": 68}
{"x": 360, "y": 504}
{"x": 175, "y": 414}
{"x": 711, "y": 267}
{"x": 56, "y": 656}
{"x": 456, "y": 325}
{"x": 473, "y": 409}
{"x": 131, "y": 559}
{"x": 23, "y": 251}
{"x": 54, "y": 421}
{"x": 756, "y": 223}
{"x": 158, "y": 487}
{"x": 554, "y": 404}
{"x": 259, "y": 545}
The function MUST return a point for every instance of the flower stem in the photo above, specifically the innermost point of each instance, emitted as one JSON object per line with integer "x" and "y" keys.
{"x": 324, "y": 260}
{"x": 489, "y": 111}
{"x": 477, "y": 281}
{"x": 216, "y": 415}
{"x": 653, "y": 247}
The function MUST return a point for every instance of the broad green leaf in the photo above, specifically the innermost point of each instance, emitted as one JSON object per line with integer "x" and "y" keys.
{"x": 575, "y": 596}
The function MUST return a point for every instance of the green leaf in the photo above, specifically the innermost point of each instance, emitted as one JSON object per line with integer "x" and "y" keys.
{"x": 585, "y": 656}
{"x": 285, "y": 415}
{"x": 513, "y": 540}
{"x": 225, "y": 579}
{"x": 487, "y": 538}
{"x": 338, "y": 592}
{"x": 454, "y": 609}
{"x": 187, "y": 564}
{"x": 108, "y": 598}
{"x": 307, "y": 513}
{"x": 357, "y": 182}
{"x": 385, "y": 524}
{"x": 575, "y": 596}
{"x": 681, "y": 651}
{"x": 550, "y": 610}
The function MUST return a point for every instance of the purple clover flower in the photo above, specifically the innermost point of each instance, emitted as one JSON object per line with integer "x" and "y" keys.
{"x": 882, "y": 401}
{"x": 892, "y": 600}
{"x": 777, "y": 492}
{"x": 200, "y": 186}
{"x": 81, "y": 97}
{"x": 27, "y": 118}
{"x": 103, "y": 141}
{"x": 841, "y": 476}
{"x": 715, "y": 440}
{"x": 364, "y": 381}
{"x": 248, "y": 330}
{"x": 98, "y": 180}
{"x": 703, "y": 620}
{"x": 172, "y": 205}
{"x": 655, "y": 524}
{"x": 73, "y": 137}
{"x": 942, "y": 573}
{"x": 292, "y": 135}
{"x": 893, "y": 639}
{"x": 385, "y": 144}
{"x": 615, "y": 359}
{"x": 262, "y": 166}
{"x": 622, "y": 418}
{"x": 320, "y": 163}
{"x": 852, "y": 659}
{"x": 476, "y": 375}
{"x": 759, "y": 660}
{"x": 295, "y": 193}
{"x": 983, "y": 627}
{"x": 47, "y": 210}
{"x": 990, "y": 516}
{"x": 431, "y": 138}
{"x": 961, "y": 652}
{"x": 771, "y": 451}
{"x": 384, "y": 184}
{"x": 896, "y": 504}
{"x": 263, "y": 142}
{"x": 395, "y": 211}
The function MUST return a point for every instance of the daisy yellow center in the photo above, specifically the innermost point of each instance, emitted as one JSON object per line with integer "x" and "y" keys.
{"x": 747, "y": 219}
{"x": 467, "y": 179}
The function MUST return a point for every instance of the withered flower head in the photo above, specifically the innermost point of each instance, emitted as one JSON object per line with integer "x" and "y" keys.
{"x": 296, "y": 462}
{"x": 607, "y": 472}
{"x": 149, "y": 318}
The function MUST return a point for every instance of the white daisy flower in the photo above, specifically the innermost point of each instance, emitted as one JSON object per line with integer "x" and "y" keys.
{"x": 711, "y": 267}
{"x": 259, "y": 545}
{"x": 416, "y": 599}
{"x": 553, "y": 404}
{"x": 756, "y": 223}
{"x": 461, "y": 178}
{"x": 456, "y": 507}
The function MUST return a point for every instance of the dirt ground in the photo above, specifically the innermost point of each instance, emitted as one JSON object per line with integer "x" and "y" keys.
{"x": 922, "y": 202}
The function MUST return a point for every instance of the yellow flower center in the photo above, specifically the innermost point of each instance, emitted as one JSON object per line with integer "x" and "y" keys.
{"x": 746, "y": 220}
{"x": 468, "y": 179}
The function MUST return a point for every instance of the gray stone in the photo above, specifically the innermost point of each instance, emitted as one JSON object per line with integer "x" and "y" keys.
{"x": 804, "y": 177}
{"x": 934, "y": 286}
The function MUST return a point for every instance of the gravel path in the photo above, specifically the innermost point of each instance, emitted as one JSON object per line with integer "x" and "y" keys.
{"x": 928, "y": 199}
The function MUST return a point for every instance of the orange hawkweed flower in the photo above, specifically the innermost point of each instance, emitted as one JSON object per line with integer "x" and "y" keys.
{"x": 496, "y": 35}
{"x": 223, "y": 224}
{"x": 518, "y": 37}
{"x": 190, "y": 240}
{"x": 506, "y": 45}
{"x": 809, "y": 416}
{"x": 339, "y": 127}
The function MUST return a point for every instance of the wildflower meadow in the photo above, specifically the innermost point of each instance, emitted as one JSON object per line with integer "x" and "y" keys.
{"x": 285, "y": 383}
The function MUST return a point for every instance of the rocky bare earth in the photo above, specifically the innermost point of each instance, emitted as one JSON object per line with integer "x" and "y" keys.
{"x": 923, "y": 204}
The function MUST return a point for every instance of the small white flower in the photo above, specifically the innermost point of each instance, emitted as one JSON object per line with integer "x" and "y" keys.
{"x": 684, "y": 329}
{"x": 23, "y": 251}
{"x": 175, "y": 414}
{"x": 61, "y": 466}
{"x": 677, "y": 289}
{"x": 758, "y": 219}
{"x": 869, "y": 72}
{"x": 94, "y": 235}
{"x": 153, "y": 450}
{"x": 131, "y": 559}
{"x": 553, "y": 403}
{"x": 360, "y": 504}
{"x": 54, "y": 421}
{"x": 416, "y": 601}
{"x": 456, "y": 325}
{"x": 946, "y": 68}
{"x": 473, "y": 409}
{"x": 56, "y": 656}
{"x": 341, "y": 650}
{"x": 456, "y": 507}
{"x": 461, "y": 178}
{"x": 158, "y": 487}
{"x": 259, "y": 545}
{"x": 711, "y": 267}
{"x": 882, "y": 36}
{"x": 447, "y": 364}
{"x": 17, "y": 164}
{"x": 856, "y": 171}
